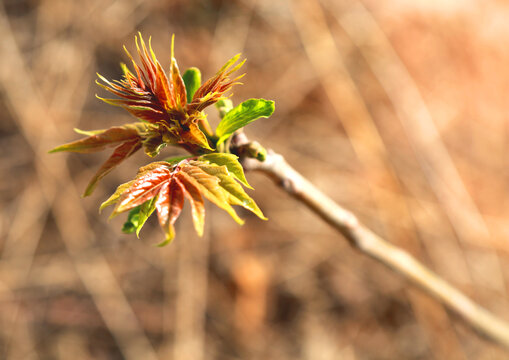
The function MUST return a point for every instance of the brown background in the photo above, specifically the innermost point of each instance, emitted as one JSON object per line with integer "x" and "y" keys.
{"x": 397, "y": 109}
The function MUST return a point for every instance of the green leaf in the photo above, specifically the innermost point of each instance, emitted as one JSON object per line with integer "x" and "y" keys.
{"x": 192, "y": 81}
{"x": 101, "y": 139}
{"x": 243, "y": 114}
{"x": 234, "y": 192}
{"x": 138, "y": 216}
{"x": 176, "y": 159}
{"x": 132, "y": 221}
{"x": 195, "y": 136}
{"x": 230, "y": 161}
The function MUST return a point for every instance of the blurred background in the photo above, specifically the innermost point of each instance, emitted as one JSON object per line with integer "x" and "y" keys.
{"x": 397, "y": 109}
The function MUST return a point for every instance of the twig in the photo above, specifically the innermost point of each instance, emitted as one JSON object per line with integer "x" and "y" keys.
{"x": 363, "y": 239}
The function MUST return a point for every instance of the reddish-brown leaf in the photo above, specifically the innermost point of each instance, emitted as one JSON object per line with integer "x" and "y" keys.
{"x": 101, "y": 141}
{"x": 177, "y": 82}
{"x": 197, "y": 206}
{"x": 195, "y": 136}
{"x": 144, "y": 188}
{"x": 169, "y": 204}
{"x": 215, "y": 87}
{"x": 121, "y": 153}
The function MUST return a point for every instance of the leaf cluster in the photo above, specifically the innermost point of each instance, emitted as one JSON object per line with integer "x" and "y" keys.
{"x": 169, "y": 108}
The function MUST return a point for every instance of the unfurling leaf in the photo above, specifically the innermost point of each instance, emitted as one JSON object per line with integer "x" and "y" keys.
{"x": 170, "y": 107}
{"x": 146, "y": 210}
{"x": 243, "y": 114}
{"x": 169, "y": 205}
{"x": 195, "y": 136}
{"x": 121, "y": 153}
{"x": 171, "y": 103}
{"x": 163, "y": 186}
{"x": 113, "y": 199}
{"x": 138, "y": 216}
{"x": 216, "y": 87}
{"x": 127, "y": 139}
{"x": 192, "y": 80}
{"x": 101, "y": 139}
{"x": 131, "y": 223}
{"x": 231, "y": 163}
{"x": 209, "y": 187}
{"x": 234, "y": 192}
{"x": 176, "y": 159}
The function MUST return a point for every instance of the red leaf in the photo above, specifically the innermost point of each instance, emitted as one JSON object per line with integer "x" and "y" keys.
{"x": 197, "y": 206}
{"x": 101, "y": 141}
{"x": 169, "y": 204}
{"x": 177, "y": 82}
{"x": 144, "y": 188}
{"x": 121, "y": 153}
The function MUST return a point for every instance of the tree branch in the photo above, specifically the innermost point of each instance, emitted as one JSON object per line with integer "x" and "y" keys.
{"x": 363, "y": 239}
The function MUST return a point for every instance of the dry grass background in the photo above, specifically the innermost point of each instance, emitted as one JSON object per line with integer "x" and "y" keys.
{"x": 397, "y": 109}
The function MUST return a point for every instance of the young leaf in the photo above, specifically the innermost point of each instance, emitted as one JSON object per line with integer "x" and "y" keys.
{"x": 146, "y": 210}
{"x": 87, "y": 132}
{"x": 132, "y": 221}
{"x": 209, "y": 187}
{"x": 113, "y": 199}
{"x": 234, "y": 192}
{"x": 215, "y": 88}
{"x": 243, "y": 114}
{"x": 192, "y": 80}
{"x": 197, "y": 206}
{"x": 121, "y": 153}
{"x": 144, "y": 188}
{"x": 179, "y": 87}
{"x": 101, "y": 139}
{"x": 195, "y": 136}
{"x": 138, "y": 216}
{"x": 169, "y": 205}
{"x": 231, "y": 163}
{"x": 176, "y": 159}
{"x": 123, "y": 188}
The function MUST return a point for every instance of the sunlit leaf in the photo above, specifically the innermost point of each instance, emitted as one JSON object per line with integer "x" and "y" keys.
{"x": 243, "y": 114}
{"x": 144, "y": 188}
{"x": 197, "y": 206}
{"x": 230, "y": 161}
{"x": 176, "y": 159}
{"x": 103, "y": 139}
{"x": 210, "y": 188}
{"x": 178, "y": 84}
{"x": 138, "y": 216}
{"x": 132, "y": 221}
{"x": 169, "y": 205}
{"x": 113, "y": 199}
{"x": 88, "y": 132}
{"x": 146, "y": 210}
{"x": 192, "y": 80}
{"x": 121, "y": 153}
{"x": 215, "y": 88}
{"x": 233, "y": 190}
{"x": 195, "y": 136}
